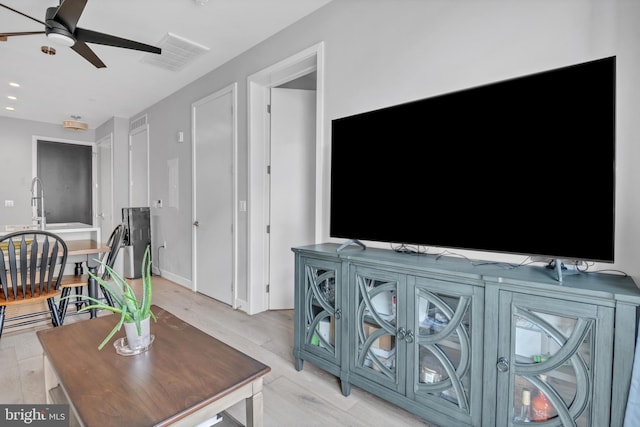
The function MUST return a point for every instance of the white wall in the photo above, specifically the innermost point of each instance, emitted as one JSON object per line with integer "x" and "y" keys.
{"x": 409, "y": 50}
{"x": 384, "y": 52}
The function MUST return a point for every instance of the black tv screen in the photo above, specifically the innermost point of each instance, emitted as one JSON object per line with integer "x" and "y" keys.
{"x": 522, "y": 166}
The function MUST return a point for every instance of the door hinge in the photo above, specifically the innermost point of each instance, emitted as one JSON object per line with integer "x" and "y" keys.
{"x": 268, "y": 169}
{"x": 268, "y": 288}
{"x": 268, "y": 108}
{"x": 268, "y": 229}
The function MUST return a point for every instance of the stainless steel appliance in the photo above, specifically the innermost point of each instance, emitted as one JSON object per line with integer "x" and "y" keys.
{"x": 137, "y": 238}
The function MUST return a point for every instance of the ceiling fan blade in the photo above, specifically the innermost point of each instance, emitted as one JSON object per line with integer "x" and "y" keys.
{"x": 25, "y": 15}
{"x": 86, "y": 52}
{"x": 89, "y": 36}
{"x": 20, "y": 33}
{"x": 69, "y": 13}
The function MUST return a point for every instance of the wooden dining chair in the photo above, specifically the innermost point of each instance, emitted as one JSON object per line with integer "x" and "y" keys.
{"x": 80, "y": 281}
{"x": 31, "y": 267}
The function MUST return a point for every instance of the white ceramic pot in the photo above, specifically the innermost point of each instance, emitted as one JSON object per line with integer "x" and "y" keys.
{"x": 135, "y": 341}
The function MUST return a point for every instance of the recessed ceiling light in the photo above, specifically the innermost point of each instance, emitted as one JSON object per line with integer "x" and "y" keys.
{"x": 14, "y": 84}
{"x": 12, "y": 97}
{"x": 9, "y": 108}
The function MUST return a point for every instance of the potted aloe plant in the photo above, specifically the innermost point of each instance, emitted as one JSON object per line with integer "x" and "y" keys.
{"x": 135, "y": 314}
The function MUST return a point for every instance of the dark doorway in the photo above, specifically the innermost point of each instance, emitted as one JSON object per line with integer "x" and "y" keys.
{"x": 65, "y": 170}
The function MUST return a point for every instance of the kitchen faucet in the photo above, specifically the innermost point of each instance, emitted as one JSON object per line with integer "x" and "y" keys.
{"x": 37, "y": 194}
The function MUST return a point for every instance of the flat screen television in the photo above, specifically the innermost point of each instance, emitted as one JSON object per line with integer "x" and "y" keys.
{"x": 522, "y": 166}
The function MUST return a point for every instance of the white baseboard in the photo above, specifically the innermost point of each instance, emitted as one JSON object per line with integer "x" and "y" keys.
{"x": 242, "y": 305}
{"x": 174, "y": 278}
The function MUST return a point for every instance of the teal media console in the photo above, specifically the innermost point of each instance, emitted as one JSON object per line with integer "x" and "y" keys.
{"x": 459, "y": 343}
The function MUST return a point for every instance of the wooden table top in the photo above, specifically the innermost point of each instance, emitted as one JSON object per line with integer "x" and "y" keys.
{"x": 85, "y": 247}
{"x": 184, "y": 370}
{"x": 77, "y": 247}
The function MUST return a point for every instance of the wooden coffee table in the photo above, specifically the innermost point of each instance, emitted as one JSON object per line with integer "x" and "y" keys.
{"x": 186, "y": 377}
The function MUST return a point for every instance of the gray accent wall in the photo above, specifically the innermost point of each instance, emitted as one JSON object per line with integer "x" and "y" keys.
{"x": 67, "y": 170}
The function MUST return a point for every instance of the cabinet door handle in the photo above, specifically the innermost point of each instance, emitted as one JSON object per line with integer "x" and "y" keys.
{"x": 409, "y": 336}
{"x": 338, "y": 314}
{"x": 401, "y": 333}
{"x": 503, "y": 364}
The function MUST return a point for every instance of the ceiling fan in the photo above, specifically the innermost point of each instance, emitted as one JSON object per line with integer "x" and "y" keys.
{"x": 60, "y": 27}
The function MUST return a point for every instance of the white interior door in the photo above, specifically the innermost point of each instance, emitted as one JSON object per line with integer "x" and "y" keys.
{"x": 104, "y": 187}
{"x": 213, "y": 141}
{"x": 292, "y": 187}
{"x": 139, "y": 167}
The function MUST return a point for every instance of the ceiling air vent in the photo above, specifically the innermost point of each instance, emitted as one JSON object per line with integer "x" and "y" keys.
{"x": 177, "y": 53}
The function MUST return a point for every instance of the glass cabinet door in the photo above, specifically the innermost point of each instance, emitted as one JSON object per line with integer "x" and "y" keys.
{"x": 443, "y": 352}
{"x": 376, "y": 322}
{"x": 321, "y": 315}
{"x": 553, "y": 374}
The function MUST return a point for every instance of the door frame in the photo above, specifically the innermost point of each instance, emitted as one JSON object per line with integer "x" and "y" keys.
{"x": 258, "y": 87}
{"x": 233, "y": 89}
{"x": 107, "y": 139}
{"x": 34, "y": 164}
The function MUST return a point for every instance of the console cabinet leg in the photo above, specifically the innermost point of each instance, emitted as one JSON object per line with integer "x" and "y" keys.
{"x": 346, "y": 388}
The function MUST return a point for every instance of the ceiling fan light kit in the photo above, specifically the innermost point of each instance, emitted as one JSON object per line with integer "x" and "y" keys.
{"x": 61, "y": 39}
{"x": 57, "y": 32}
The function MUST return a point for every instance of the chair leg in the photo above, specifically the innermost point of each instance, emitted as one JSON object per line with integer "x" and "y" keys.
{"x": 62, "y": 309}
{"x": 79, "y": 301}
{"x": 55, "y": 315}
{"x": 2, "y": 310}
{"x": 107, "y": 296}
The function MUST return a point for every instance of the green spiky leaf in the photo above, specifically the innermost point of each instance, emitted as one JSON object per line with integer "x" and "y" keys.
{"x": 126, "y": 303}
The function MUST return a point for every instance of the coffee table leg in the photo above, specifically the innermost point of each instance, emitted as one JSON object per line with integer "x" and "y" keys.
{"x": 50, "y": 379}
{"x": 255, "y": 406}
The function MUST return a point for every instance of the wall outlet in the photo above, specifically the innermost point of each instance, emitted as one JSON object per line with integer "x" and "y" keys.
{"x": 8, "y": 203}
{"x": 164, "y": 244}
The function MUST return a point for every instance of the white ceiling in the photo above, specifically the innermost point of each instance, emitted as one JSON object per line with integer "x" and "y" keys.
{"x": 54, "y": 88}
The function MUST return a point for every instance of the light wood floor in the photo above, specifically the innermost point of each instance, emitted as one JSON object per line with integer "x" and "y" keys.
{"x": 291, "y": 398}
